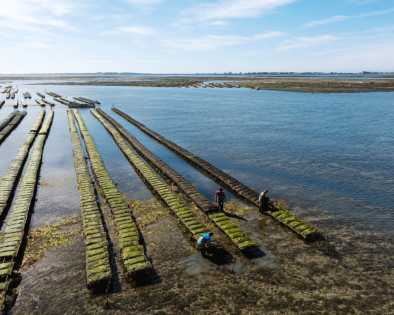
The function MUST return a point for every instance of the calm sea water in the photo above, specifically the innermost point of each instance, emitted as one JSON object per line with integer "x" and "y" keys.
{"x": 323, "y": 153}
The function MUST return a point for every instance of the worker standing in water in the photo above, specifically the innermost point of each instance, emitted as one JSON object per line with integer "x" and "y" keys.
{"x": 220, "y": 197}
{"x": 204, "y": 242}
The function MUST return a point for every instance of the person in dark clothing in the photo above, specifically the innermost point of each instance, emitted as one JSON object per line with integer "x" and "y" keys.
{"x": 263, "y": 200}
{"x": 203, "y": 242}
{"x": 220, "y": 197}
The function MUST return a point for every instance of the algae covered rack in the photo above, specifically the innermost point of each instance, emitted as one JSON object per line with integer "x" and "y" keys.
{"x": 8, "y": 181}
{"x": 11, "y": 125}
{"x": 6, "y": 120}
{"x": 283, "y": 216}
{"x": 238, "y": 237}
{"x": 195, "y": 226}
{"x": 98, "y": 268}
{"x": 132, "y": 253}
{"x": 16, "y": 225}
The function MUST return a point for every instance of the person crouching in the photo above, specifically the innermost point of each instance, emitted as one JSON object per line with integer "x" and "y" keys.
{"x": 204, "y": 242}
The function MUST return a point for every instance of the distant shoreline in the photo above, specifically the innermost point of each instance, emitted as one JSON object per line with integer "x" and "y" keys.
{"x": 304, "y": 85}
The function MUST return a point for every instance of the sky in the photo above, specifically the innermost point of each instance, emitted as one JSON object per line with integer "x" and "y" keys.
{"x": 173, "y": 36}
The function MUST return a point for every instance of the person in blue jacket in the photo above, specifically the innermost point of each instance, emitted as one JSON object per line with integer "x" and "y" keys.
{"x": 204, "y": 241}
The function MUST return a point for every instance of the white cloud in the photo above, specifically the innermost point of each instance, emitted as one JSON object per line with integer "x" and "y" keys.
{"x": 212, "y": 42}
{"x": 234, "y": 9}
{"x": 34, "y": 14}
{"x": 268, "y": 35}
{"x": 378, "y": 29}
{"x": 138, "y": 30}
{"x": 301, "y": 42}
{"x": 332, "y": 19}
{"x": 219, "y": 23}
{"x": 37, "y": 44}
{"x": 110, "y": 17}
{"x": 6, "y": 35}
{"x": 338, "y": 18}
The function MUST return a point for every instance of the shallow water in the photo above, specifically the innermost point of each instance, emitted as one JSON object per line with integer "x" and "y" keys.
{"x": 329, "y": 155}
{"x": 326, "y": 152}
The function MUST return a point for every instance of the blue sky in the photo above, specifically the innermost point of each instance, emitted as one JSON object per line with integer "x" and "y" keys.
{"x": 172, "y": 36}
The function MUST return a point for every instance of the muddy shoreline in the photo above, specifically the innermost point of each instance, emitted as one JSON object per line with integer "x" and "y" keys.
{"x": 305, "y": 85}
{"x": 293, "y": 277}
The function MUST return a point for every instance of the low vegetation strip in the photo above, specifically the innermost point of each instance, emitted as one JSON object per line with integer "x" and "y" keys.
{"x": 244, "y": 191}
{"x": 16, "y": 225}
{"x": 6, "y": 120}
{"x": 14, "y": 122}
{"x": 295, "y": 84}
{"x": 8, "y": 181}
{"x": 98, "y": 268}
{"x": 222, "y": 221}
{"x": 132, "y": 253}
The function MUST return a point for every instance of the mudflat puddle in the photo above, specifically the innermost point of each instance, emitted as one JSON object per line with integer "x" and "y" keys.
{"x": 196, "y": 265}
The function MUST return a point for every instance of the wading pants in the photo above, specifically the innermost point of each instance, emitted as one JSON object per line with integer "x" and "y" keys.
{"x": 221, "y": 203}
{"x": 202, "y": 249}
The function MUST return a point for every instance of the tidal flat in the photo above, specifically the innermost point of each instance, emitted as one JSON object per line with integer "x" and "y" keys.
{"x": 305, "y": 85}
{"x": 293, "y": 277}
{"x": 327, "y": 157}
